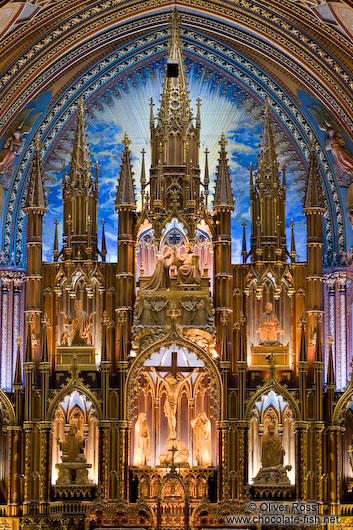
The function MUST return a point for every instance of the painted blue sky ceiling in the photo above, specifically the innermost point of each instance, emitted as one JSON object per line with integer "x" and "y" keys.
{"x": 124, "y": 107}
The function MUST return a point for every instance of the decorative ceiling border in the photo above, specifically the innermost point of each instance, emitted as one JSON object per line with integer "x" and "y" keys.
{"x": 268, "y": 25}
{"x": 61, "y": 112}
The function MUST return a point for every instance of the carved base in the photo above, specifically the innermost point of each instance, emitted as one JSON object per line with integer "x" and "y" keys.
{"x": 181, "y": 455}
{"x": 73, "y": 491}
{"x": 273, "y": 476}
{"x": 73, "y": 474}
{"x": 272, "y": 491}
{"x": 85, "y": 355}
{"x": 260, "y": 354}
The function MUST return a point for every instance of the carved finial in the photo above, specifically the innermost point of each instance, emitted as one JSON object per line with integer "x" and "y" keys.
{"x": 126, "y": 141}
{"x": 18, "y": 368}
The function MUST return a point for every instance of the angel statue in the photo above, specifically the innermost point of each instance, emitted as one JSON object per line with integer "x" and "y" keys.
{"x": 14, "y": 138}
{"x": 335, "y": 141}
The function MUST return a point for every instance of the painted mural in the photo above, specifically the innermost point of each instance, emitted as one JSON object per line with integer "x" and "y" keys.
{"x": 126, "y": 108}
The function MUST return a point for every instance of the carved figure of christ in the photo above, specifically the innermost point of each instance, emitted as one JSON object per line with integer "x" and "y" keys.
{"x": 172, "y": 386}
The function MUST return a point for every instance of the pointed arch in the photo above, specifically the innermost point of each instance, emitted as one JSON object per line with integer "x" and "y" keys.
{"x": 171, "y": 339}
{"x": 73, "y": 386}
{"x": 272, "y": 384}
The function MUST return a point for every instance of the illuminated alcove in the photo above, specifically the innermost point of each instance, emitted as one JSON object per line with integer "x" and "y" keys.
{"x": 271, "y": 409}
{"x": 75, "y": 409}
{"x": 196, "y": 395}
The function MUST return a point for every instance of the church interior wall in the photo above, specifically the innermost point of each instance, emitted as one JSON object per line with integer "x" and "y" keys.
{"x": 176, "y": 206}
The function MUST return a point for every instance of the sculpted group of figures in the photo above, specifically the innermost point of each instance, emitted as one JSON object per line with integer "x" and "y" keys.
{"x": 187, "y": 264}
{"x": 201, "y": 426}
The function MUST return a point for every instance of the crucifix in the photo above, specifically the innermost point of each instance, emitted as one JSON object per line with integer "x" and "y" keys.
{"x": 173, "y": 385}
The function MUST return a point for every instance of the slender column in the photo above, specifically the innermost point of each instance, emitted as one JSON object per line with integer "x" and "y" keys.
{"x": 44, "y": 491}
{"x": 242, "y": 446}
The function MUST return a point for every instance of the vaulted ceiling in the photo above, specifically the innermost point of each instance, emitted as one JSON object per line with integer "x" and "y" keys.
{"x": 276, "y": 49}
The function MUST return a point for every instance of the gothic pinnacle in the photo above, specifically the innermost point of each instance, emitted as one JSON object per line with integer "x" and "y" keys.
{"x": 125, "y": 194}
{"x": 36, "y": 199}
{"x": 18, "y": 380}
{"x": 330, "y": 379}
{"x": 292, "y": 247}
{"x": 223, "y": 193}
{"x": 104, "y": 246}
{"x": 244, "y": 252}
{"x": 206, "y": 180}
{"x": 313, "y": 201}
{"x": 302, "y": 353}
{"x": 29, "y": 349}
{"x": 56, "y": 244}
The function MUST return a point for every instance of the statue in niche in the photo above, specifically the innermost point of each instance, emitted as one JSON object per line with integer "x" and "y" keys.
{"x": 272, "y": 449}
{"x": 203, "y": 444}
{"x": 272, "y": 471}
{"x": 160, "y": 279}
{"x": 188, "y": 268}
{"x": 269, "y": 327}
{"x": 73, "y": 468}
{"x": 142, "y": 440}
{"x": 72, "y": 447}
{"x": 172, "y": 386}
{"x": 80, "y": 326}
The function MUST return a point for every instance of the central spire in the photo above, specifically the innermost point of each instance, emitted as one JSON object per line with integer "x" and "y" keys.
{"x": 175, "y": 140}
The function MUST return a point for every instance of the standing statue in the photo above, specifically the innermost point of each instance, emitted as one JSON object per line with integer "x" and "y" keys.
{"x": 272, "y": 449}
{"x": 80, "y": 326}
{"x": 269, "y": 327}
{"x": 272, "y": 471}
{"x": 160, "y": 278}
{"x": 172, "y": 386}
{"x": 142, "y": 440}
{"x": 203, "y": 443}
{"x": 72, "y": 447}
{"x": 188, "y": 268}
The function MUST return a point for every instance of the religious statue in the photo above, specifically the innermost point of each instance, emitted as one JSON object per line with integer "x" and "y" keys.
{"x": 72, "y": 447}
{"x": 160, "y": 278}
{"x": 203, "y": 444}
{"x": 81, "y": 324}
{"x": 172, "y": 386}
{"x": 272, "y": 471}
{"x": 188, "y": 268}
{"x": 197, "y": 312}
{"x": 272, "y": 449}
{"x": 142, "y": 440}
{"x": 269, "y": 327}
{"x": 73, "y": 468}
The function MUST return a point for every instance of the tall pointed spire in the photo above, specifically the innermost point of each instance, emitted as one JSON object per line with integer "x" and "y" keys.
{"x": 125, "y": 195}
{"x": 206, "y": 180}
{"x": 56, "y": 244}
{"x": 45, "y": 351}
{"x": 314, "y": 200}
{"x": 267, "y": 198}
{"x": 302, "y": 353}
{"x": 293, "y": 252}
{"x": 29, "y": 349}
{"x": 318, "y": 345}
{"x": 36, "y": 199}
{"x": 330, "y": 379}
{"x": 80, "y": 198}
{"x": 80, "y": 171}
{"x": 223, "y": 194}
{"x": 244, "y": 252}
{"x": 104, "y": 245}
{"x": 143, "y": 178}
{"x": 18, "y": 379}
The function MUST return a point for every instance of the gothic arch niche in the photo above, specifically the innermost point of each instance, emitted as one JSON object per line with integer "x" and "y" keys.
{"x": 270, "y": 300}
{"x": 74, "y": 414}
{"x": 186, "y": 419}
{"x": 80, "y": 297}
{"x": 271, "y": 409}
{"x": 175, "y": 237}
